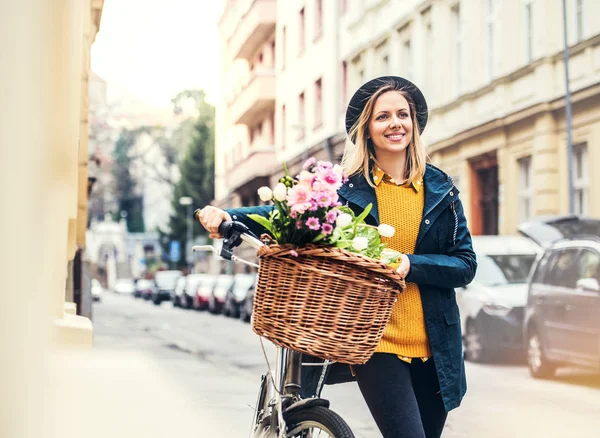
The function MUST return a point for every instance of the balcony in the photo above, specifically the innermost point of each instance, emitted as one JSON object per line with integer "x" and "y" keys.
{"x": 253, "y": 172}
{"x": 256, "y": 98}
{"x": 255, "y": 26}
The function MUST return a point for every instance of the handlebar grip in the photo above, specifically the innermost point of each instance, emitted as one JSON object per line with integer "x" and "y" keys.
{"x": 225, "y": 229}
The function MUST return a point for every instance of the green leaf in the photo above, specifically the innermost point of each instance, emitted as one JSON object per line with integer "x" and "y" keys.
{"x": 263, "y": 221}
{"x": 343, "y": 243}
{"x": 364, "y": 214}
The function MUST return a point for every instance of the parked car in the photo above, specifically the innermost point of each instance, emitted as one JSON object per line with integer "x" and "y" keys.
{"x": 143, "y": 288}
{"x": 96, "y": 290}
{"x": 247, "y": 305}
{"x": 165, "y": 285}
{"x": 179, "y": 291}
{"x": 217, "y": 298}
{"x": 124, "y": 286}
{"x": 204, "y": 292}
{"x": 562, "y": 317}
{"x": 236, "y": 295}
{"x": 185, "y": 299}
{"x": 492, "y": 306}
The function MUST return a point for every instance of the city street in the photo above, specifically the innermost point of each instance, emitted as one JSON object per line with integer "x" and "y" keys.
{"x": 216, "y": 362}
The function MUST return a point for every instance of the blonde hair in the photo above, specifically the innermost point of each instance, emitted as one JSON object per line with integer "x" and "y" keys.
{"x": 359, "y": 149}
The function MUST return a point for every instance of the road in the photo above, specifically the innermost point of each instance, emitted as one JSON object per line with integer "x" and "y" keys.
{"x": 216, "y": 362}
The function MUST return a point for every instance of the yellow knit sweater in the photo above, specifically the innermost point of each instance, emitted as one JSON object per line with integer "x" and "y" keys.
{"x": 402, "y": 207}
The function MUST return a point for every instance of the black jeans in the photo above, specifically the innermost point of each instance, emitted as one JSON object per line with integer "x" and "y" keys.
{"x": 403, "y": 398}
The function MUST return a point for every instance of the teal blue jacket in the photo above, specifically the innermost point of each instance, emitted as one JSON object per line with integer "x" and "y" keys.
{"x": 443, "y": 260}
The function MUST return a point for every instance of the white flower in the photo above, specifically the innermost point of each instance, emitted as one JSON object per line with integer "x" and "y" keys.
{"x": 339, "y": 170}
{"x": 280, "y": 192}
{"x": 386, "y": 230}
{"x": 390, "y": 253}
{"x": 343, "y": 220}
{"x": 265, "y": 194}
{"x": 360, "y": 243}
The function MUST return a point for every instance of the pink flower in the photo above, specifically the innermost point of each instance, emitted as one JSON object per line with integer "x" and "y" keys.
{"x": 310, "y": 162}
{"x": 313, "y": 223}
{"x": 293, "y": 253}
{"x": 300, "y": 208}
{"x": 331, "y": 178}
{"x": 325, "y": 164}
{"x": 314, "y": 206}
{"x": 326, "y": 229}
{"x": 306, "y": 178}
{"x": 299, "y": 225}
{"x": 330, "y": 216}
{"x": 324, "y": 199}
{"x": 298, "y": 194}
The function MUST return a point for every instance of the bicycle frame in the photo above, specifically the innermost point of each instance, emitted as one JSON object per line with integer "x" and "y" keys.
{"x": 280, "y": 389}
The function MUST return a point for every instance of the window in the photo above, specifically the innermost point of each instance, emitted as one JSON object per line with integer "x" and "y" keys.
{"x": 407, "y": 59}
{"x": 283, "y": 47}
{"x": 428, "y": 45}
{"x": 529, "y": 31}
{"x": 301, "y": 112}
{"x": 344, "y": 85}
{"x": 525, "y": 188}
{"x": 562, "y": 270}
{"x": 589, "y": 265}
{"x": 491, "y": 38}
{"x": 580, "y": 178}
{"x": 318, "y": 18}
{"x": 318, "y": 104}
{"x": 496, "y": 270}
{"x": 343, "y": 6}
{"x": 541, "y": 269}
{"x": 301, "y": 33}
{"x": 579, "y": 19}
{"x": 283, "y": 126}
{"x": 385, "y": 65}
{"x": 272, "y": 131}
{"x": 456, "y": 21}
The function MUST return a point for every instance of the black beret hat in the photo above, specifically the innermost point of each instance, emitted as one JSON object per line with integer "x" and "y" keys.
{"x": 362, "y": 95}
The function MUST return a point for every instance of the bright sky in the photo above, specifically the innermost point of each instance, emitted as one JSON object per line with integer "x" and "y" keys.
{"x": 152, "y": 49}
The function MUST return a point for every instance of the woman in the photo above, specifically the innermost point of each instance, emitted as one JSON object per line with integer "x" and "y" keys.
{"x": 417, "y": 372}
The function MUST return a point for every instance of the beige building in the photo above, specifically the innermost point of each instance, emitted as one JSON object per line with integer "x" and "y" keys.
{"x": 245, "y": 116}
{"x": 494, "y": 78}
{"x": 492, "y": 72}
{"x": 45, "y": 48}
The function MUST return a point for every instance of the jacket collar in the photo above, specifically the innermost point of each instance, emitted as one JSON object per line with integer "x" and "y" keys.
{"x": 437, "y": 185}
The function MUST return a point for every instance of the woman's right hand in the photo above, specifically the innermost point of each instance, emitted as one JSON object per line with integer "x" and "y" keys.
{"x": 211, "y": 217}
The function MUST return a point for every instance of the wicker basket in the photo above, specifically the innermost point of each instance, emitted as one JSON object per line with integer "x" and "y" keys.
{"x": 327, "y": 302}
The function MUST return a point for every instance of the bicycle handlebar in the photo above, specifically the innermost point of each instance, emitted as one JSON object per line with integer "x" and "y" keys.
{"x": 234, "y": 233}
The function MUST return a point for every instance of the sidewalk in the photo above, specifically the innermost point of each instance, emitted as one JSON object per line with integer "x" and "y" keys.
{"x": 123, "y": 394}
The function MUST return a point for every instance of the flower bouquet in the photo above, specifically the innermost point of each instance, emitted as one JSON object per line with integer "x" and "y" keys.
{"x": 327, "y": 284}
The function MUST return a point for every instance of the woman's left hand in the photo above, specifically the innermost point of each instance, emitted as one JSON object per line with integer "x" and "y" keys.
{"x": 404, "y": 267}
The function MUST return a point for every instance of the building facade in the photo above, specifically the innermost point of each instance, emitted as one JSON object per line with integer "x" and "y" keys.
{"x": 497, "y": 107}
{"x": 492, "y": 72}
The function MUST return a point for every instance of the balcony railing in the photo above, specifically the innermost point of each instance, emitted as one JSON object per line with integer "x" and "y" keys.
{"x": 255, "y": 27}
{"x": 257, "y": 98}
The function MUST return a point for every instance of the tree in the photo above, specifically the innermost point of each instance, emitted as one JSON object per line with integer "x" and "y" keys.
{"x": 128, "y": 200}
{"x": 197, "y": 170}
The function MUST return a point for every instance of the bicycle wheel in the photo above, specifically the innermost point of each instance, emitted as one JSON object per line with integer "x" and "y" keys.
{"x": 316, "y": 422}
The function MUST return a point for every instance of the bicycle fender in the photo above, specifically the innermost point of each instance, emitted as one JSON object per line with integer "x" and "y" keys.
{"x": 306, "y": 404}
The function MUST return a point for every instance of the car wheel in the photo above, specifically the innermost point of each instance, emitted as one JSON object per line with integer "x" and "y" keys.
{"x": 539, "y": 366}
{"x": 474, "y": 348}
{"x": 156, "y": 301}
{"x": 245, "y": 311}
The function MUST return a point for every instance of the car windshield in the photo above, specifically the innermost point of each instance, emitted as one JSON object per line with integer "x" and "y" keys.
{"x": 498, "y": 270}
{"x": 570, "y": 228}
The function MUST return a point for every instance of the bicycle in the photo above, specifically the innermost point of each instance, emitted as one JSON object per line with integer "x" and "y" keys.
{"x": 280, "y": 411}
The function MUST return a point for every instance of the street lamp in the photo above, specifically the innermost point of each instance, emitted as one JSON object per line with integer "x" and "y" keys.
{"x": 187, "y": 201}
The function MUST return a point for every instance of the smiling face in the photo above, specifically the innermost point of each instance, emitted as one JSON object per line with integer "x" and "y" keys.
{"x": 391, "y": 125}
